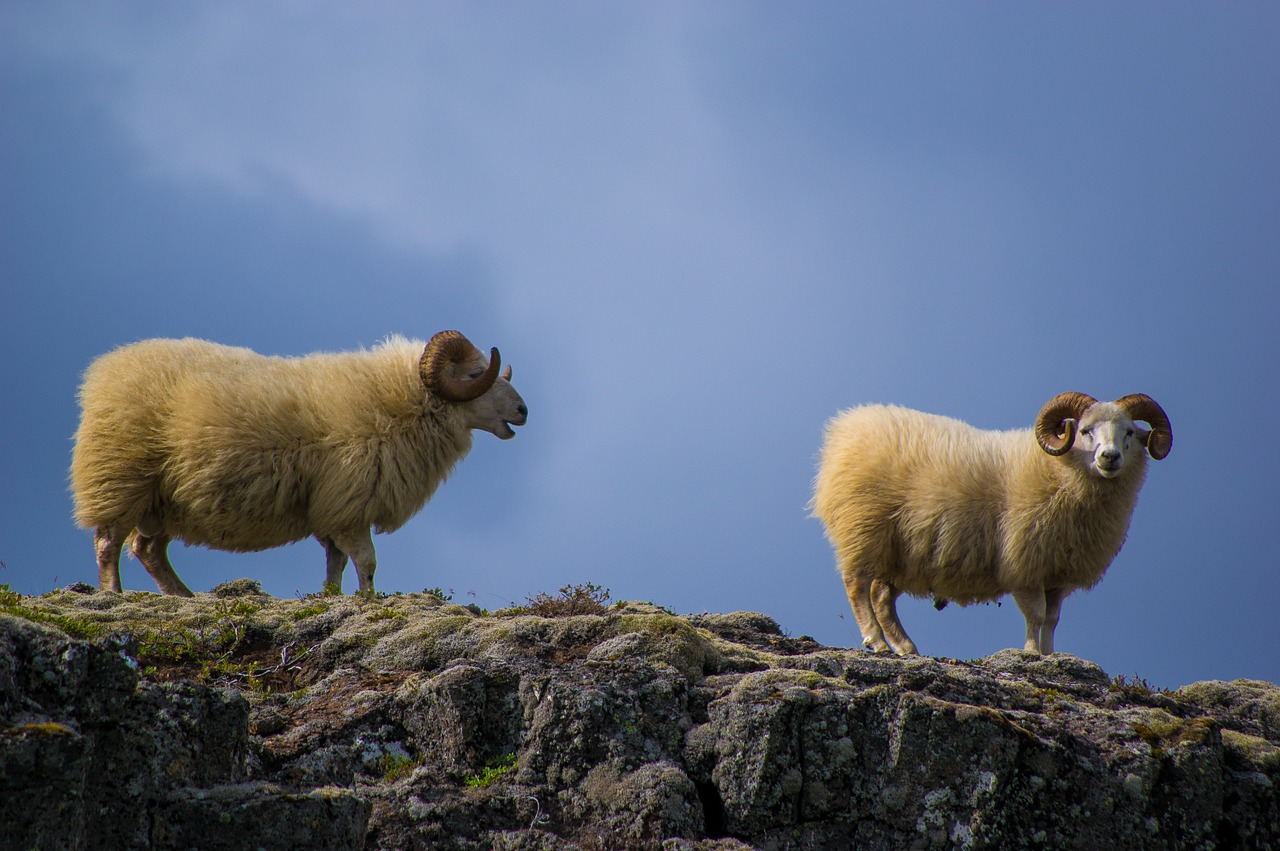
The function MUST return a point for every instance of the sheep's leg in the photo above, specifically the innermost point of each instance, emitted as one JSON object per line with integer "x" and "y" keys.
{"x": 884, "y": 596}
{"x": 359, "y": 545}
{"x": 151, "y": 550}
{"x": 1033, "y": 604}
{"x": 1052, "y": 609}
{"x": 107, "y": 543}
{"x": 858, "y": 589}
{"x": 335, "y": 562}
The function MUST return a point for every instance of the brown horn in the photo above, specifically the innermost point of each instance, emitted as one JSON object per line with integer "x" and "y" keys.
{"x": 450, "y": 347}
{"x": 1143, "y": 408}
{"x": 1056, "y": 424}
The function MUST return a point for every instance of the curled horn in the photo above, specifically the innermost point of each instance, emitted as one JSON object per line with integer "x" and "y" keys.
{"x": 1143, "y": 408}
{"x": 450, "y": 347}
{"x": 1056, "y": 424}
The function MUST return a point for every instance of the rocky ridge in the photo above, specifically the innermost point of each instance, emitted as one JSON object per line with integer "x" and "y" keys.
{"x": 238, "y": 720}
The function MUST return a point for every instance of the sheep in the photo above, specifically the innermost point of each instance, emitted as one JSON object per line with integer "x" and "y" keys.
{"x": 931, "y": 506}
{"x": 225, "y": 448}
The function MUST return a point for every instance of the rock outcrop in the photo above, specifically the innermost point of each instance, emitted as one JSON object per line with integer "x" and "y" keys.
{"x": 238, "y": 720}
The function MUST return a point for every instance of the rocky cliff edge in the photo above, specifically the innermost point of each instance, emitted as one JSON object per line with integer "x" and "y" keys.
{"x": 239, "y": 720}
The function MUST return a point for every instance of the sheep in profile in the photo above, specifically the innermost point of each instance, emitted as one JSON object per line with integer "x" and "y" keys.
{"x": 220, "y": 446}
{"x": 931, "y": 506}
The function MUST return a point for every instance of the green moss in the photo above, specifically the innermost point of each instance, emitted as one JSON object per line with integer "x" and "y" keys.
{"x": 1254, "y": 749}
{"x": 1162, "y": 731}
{"x": 47, "y": 728}
{"x": 15, "y": 604}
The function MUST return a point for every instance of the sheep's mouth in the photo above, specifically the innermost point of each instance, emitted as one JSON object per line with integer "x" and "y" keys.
{"x": 1108, "y": 471}
{"x": 504, "y": 431}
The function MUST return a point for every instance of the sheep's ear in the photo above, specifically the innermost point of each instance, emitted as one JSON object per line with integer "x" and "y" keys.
{"x": 506, "y": 372}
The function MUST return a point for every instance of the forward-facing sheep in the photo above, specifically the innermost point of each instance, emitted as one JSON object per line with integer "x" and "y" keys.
{"x": 931, "y": 506}
{"x": 223, "y": 447}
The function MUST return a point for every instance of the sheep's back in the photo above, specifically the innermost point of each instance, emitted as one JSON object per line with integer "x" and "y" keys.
{"x": 914, "y": 498}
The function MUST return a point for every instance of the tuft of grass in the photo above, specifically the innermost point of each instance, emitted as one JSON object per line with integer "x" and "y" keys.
{"x": 586, "y": 599}
{"x": 493, "y": 771}
{"x": 328, "y": 589}
{"x": 439, "y": 593}
{"x": 1133, "y": 688}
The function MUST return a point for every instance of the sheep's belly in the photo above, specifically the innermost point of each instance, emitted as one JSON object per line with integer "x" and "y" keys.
{"x": 247, "y": 535}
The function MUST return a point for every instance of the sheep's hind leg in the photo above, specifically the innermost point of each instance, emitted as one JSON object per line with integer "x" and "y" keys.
{"x": 107, "y": 543}
{"x": 858, "y": 589}
{"x": 335, "y": 562}
{"x": 1033, "y": 605}
{"x": 151, "y": 550}
{"x": 359, "y": 545}
{"x": 884, "y": 596}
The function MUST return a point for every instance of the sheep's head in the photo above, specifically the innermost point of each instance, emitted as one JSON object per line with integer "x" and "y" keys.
{"x": 456, "y": 371}
{"x": 1106, "y": 430}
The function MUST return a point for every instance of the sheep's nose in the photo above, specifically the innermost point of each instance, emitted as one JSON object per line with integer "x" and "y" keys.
{"x": 524, "y": 410}
{"x": 1110, "y": 455}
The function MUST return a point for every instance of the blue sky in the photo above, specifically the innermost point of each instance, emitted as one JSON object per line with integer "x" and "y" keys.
{"x": 697, "y": 231}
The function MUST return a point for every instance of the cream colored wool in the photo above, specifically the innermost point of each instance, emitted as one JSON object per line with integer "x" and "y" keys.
{"x": 223, "y": 447}
{"x": 930, "y": 506}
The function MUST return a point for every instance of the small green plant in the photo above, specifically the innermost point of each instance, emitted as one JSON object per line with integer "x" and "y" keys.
{"x": 384, "y": 614}
{"x": 395, "y": 766}
{"x": 493, "y": 770}
{"x": 438, "y": 592}
{"x": 309, "y": 611}
{"x": 587, "y": 599}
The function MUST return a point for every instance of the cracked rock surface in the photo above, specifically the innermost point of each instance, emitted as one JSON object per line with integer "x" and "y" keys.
{"x": 239, "y": 720}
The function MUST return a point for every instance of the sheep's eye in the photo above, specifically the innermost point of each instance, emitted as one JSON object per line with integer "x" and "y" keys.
{"x": 1129, "y": 433}
{"x": 476, "y": 373}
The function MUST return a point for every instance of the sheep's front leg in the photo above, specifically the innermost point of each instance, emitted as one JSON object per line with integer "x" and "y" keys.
{"x": 359, "y": 545}
{"x": 884, "y": 596}
{"x": 152, "y": 551}
{"x": 1052, "y": 610}
{"x": 858, "y": 589}
{"x": 335, "y": 562}
{"x": 1033, "y": 604}
{"x": 107, "y": 543}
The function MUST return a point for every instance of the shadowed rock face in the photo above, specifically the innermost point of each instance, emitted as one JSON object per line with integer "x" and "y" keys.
{"x": 237, "y": 720}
